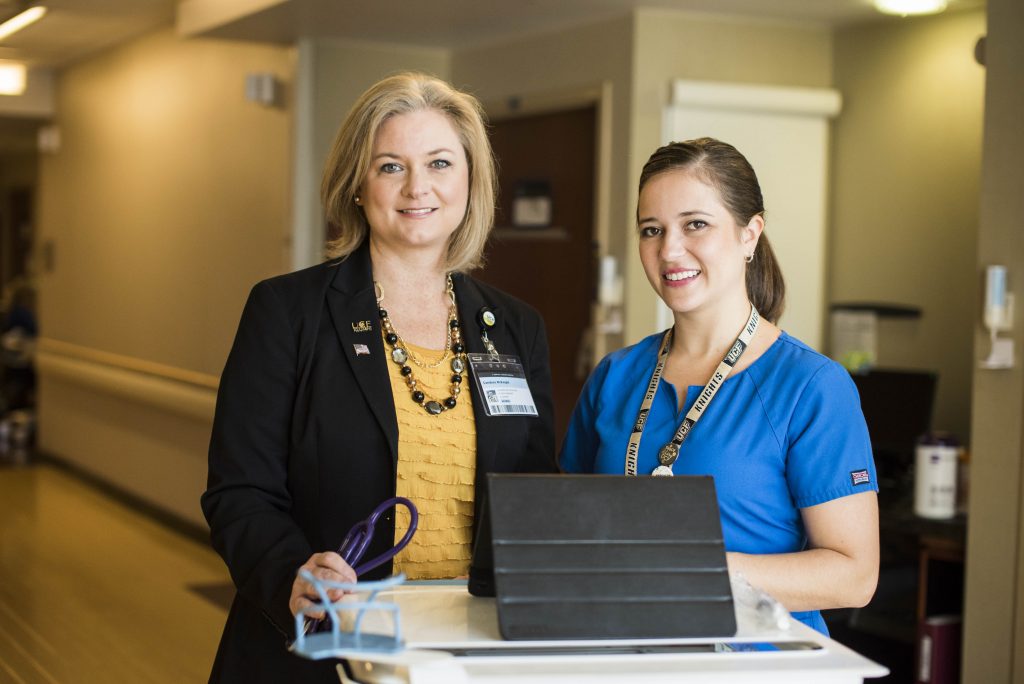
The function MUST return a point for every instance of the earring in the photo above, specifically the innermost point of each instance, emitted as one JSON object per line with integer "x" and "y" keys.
{"x": 749, "y": 257}
{"x": 357, "y": 199}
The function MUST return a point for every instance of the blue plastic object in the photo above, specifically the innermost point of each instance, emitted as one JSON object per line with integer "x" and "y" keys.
{"x": 338, "y": 643}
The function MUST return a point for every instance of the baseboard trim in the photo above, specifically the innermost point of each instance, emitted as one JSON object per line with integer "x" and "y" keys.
{"x": 172, "y": 521}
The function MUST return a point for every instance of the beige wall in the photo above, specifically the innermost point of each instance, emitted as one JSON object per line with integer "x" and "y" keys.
{"x": 167, "y": 200}
{"x": 672, "y": 45}
{"x": 592, "y": 62}
{"x": 994, "y": 616}
{"x": 906, "y": 168}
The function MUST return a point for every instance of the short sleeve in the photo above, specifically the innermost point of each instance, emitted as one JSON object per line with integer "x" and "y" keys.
{"x": 829, "y": 450}
{"x": 581, "y": 440}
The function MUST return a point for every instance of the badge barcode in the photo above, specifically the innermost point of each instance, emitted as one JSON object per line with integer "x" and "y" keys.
{"x": 515, "y": 408}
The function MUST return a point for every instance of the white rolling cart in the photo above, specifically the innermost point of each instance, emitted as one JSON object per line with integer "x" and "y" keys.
{"x": 451, "y": 637}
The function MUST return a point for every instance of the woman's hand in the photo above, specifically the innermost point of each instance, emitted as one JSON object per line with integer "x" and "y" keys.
{"x": 325, "y": 566}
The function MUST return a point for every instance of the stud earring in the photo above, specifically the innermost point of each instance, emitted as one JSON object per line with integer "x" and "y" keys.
{"x": 358, "y": 200}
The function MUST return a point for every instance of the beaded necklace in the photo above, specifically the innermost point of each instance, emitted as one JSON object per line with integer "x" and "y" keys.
{"x": 401, "y": 354}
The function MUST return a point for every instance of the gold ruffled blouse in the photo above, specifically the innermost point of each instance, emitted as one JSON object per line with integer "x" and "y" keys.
{"x": 436, "y": 467}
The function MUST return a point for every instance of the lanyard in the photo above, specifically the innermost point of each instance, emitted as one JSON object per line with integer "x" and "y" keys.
{"x": 670, "y": 452}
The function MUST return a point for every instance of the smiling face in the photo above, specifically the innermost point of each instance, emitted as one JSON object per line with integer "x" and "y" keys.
{"x": 415, "y": 193}
{"x": 691, "y": 247}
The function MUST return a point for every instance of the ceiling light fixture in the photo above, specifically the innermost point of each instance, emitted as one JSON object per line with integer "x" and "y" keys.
{"x": 12, "y": 78}
{"x": 907, "y": 7}
{"x": 21, "y": 20}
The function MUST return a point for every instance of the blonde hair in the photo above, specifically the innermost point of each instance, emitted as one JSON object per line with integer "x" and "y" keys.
{"x": 349, "y": 163}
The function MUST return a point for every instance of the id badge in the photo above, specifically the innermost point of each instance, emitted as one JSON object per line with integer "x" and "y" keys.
{"x": 501, "y": 382}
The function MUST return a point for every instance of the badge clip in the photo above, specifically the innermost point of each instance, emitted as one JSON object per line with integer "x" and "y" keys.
{"x": 486, "y": 318}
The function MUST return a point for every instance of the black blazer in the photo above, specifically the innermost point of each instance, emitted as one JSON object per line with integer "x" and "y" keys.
{"x": 305, "y": 442}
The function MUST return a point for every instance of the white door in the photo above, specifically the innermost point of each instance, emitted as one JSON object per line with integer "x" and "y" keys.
{"x": 783, "y": 132}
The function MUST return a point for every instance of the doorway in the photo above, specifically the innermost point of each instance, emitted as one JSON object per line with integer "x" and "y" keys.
{"x": 18, "y": 321}
{"x": 542, "y": 249}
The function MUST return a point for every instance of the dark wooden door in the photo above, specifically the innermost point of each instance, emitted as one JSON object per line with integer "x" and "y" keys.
{"x": 551, "y": 268}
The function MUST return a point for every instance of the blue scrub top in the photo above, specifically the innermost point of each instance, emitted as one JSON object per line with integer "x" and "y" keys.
{"x": 783, "y": 434}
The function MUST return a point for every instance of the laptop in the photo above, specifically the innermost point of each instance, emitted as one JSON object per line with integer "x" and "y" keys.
{"x": 603, "y": 557}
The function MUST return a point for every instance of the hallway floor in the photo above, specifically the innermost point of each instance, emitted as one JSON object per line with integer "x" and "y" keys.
{"x": 91, "y": 591}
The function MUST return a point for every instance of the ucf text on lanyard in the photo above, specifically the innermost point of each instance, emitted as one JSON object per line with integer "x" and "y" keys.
{"x": 670, "y": 452}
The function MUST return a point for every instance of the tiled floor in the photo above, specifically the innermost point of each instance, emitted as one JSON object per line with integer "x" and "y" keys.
{"x": 91, "y": 591}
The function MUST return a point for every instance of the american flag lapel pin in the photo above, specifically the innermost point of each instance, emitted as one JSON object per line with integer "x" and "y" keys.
{"x": 361, "y": 349}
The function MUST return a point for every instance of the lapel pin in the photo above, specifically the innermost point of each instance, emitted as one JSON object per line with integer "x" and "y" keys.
{"x": 362, "y": 326}
{"x": 361, "y": 349}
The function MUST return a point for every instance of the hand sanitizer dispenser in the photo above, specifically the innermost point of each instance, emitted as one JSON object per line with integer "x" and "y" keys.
{"x": 998, "y": 317}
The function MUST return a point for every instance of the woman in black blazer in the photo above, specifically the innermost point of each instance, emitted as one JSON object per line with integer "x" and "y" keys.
{"x": 306, "y": 440}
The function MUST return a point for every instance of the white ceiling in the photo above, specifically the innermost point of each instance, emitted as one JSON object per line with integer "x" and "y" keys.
{"x": 455, "y": 23}
{"x": 74, "y": 29}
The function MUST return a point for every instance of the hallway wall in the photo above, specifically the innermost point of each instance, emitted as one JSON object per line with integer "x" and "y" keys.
{"x": 167, "y": 200}
{"x": 994, "y": 611}
{"x": 907, "y": 170}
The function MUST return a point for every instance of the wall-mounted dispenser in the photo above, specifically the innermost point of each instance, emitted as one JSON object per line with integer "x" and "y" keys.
{"x": 998, "y": 317}
{"x": 609, "y": 296}
{"x": 263, "y": 89}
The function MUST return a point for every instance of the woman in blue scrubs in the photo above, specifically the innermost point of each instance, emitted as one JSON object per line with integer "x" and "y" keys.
{"x": 726, "y": 393}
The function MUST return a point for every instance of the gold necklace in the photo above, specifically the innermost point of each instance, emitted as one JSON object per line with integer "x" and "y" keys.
{"x": 424, "y": 364}
{"x": 400, "y": 353}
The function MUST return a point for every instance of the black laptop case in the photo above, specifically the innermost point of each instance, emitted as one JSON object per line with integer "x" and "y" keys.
{"x": 605, "y": 557}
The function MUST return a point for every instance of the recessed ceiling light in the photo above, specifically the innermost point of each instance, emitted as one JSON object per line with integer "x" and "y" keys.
{"x": 907, "y": 7}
